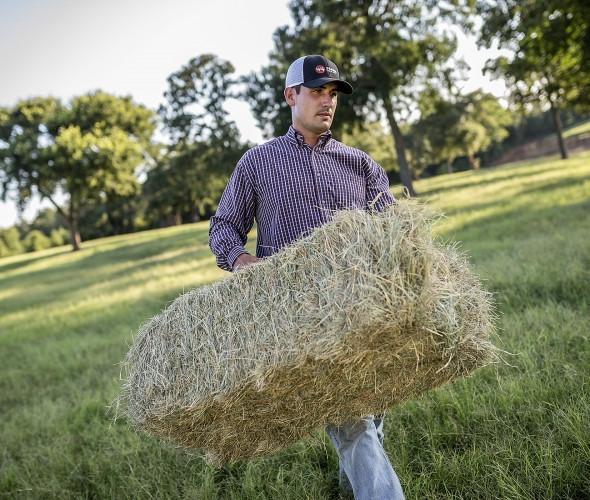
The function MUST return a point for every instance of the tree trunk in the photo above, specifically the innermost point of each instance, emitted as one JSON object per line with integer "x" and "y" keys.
{"x": 400, "y": 148}
{"x": 71, "y": 219}
{"x": 74, "y": 232}
{"x": 558, "y": 130}
{"x": 473, "y": 161}
{"x": 449, "y": 167}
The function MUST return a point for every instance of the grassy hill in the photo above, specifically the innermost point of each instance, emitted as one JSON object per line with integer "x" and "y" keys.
{"x": 577, "y": 129}
{"x": 513, "y": 431}
{"x": 576, "y": 138}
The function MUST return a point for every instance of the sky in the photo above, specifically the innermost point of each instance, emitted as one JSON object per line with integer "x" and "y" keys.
{"x": 129, "y": 47}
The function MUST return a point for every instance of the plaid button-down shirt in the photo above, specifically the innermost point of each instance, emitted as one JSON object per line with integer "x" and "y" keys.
{"x": 291, "y": 188}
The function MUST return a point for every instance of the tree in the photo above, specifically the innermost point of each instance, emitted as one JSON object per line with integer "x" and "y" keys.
{"x": 484, "y": 122}
{"x": 85, "y": 150}
{"x": 113, "y": 214}
{"x": 195, "y": 98}
{"x": 461, "y": 126}
{"x": 58, "y": 237}
{"x": 375, "y": 140}
{"x": 190, "y": 172}
{"x": 434, "y": 137}
{"x": 49, "y": 222}
{"x": 35, "y": 241}
{"x": 550, "y": 44}
{"x": 384, "y": 46}
{"x": 4, "y": 251}
{"x": 10, "y": 242}
{"x": 188, "y": 180}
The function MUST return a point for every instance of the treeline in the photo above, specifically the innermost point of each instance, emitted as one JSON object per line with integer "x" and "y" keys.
{"x": 96, "y": 159}
{"x": 14, "y": 240}
{"x": 97, "y": 152}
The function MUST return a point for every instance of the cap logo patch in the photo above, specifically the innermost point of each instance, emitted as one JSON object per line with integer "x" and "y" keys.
{"x": 331, "y": 70}
{"x": 320, "y": 69}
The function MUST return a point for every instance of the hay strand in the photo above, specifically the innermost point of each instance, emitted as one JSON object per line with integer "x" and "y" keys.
{"x": 364, "y": 313}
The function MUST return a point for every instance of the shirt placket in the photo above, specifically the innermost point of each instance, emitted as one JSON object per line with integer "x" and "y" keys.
{"x": 322, "y": 181}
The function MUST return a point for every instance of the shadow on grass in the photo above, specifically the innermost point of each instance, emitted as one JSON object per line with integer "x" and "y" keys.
{"x": 24, "y": 261}
{"x": 517, "y": 218}
{"x": 67, "y": 280}
{"x": 474, "y": 181}
{"x": 503, "y": 173}
{"x": 551, "y": 186}
{"x": 520, "y": 288}
{"x": 566, "y": 291}
{"x": 47, "y": 355}
{"x": 70, "y": 288}
{"x": 135, "y": 245}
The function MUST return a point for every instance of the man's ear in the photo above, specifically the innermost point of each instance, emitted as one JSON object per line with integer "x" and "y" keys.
{"x": 289, "y": 94}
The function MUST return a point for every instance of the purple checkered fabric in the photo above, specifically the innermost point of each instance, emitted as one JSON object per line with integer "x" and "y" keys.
{"x": 290, "y": 188}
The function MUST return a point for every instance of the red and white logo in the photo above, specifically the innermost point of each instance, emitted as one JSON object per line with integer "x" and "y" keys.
{"x": 319, "y": 69}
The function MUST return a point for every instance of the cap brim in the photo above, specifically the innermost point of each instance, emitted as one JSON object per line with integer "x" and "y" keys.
{"x": 341, "y": 85}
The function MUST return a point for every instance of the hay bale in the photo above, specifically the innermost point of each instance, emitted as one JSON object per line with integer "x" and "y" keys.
{"x": 365, "y": 312}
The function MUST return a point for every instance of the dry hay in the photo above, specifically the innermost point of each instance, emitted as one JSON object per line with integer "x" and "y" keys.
{"x": 365, "y": 312}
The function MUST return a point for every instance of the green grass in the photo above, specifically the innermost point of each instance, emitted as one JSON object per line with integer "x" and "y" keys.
{"x": 580, "y": 128}
{"x": 511, "y": 431}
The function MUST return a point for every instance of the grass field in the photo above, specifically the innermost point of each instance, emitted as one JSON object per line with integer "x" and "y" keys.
{"x": 579, "y": 128}
{"x": 512, "y": 431}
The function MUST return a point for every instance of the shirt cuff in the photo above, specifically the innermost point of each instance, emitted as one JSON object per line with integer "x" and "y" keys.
{"x": 233, "y": 254}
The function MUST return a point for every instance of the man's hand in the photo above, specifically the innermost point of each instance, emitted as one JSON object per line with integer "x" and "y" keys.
{"x": 244, "y": 260}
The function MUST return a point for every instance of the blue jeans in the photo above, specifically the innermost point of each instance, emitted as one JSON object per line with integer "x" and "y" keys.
{"x": 364, "y": 467}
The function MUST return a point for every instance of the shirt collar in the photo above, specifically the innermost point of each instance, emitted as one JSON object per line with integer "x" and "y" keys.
{"x": 297, "y": 138}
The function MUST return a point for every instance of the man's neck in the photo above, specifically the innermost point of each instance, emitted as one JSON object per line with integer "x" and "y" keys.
{"x": 309, "y": 138}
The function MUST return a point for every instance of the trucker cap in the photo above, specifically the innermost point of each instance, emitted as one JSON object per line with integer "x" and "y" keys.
{"x": 315, "y": 71}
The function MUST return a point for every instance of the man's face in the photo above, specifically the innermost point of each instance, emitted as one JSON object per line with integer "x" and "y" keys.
{"x": 313, "y": 109}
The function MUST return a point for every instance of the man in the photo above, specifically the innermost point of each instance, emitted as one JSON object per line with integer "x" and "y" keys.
{"x": 290, "y": 185}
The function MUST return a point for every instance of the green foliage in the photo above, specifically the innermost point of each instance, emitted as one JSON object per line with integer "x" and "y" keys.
{"x": 48, "y": 223}
{"x": 87, "y": 150}
{"x": 578, "y": 129}
{"x": 195, "y": 99}
{"x": 4, "y": 251}
{"x": 34, "y": 238}
{"x": 100, "y": 112}
{"x": 46, "y": 220}
{"x": 383, "y": 48}
{"x": 114, "y": 214}
{"x": 535, "y": 124}
{"x": 187, "y": 182}
{"x": 374, "y": 139}
{"x": 35, "y": 241}
{"x": 551, "y": 44}
{"x": 59, "y": 237}
{"x": 189, "y": 175}
{"x": 11, "y": 241}
{"x": 510, "y": 431}
{"x": 464, "y": 126}
{"x": 102, "y": 162}
{"x": 550, "y": 62}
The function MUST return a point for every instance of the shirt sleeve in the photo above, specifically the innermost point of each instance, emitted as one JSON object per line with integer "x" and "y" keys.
{"x": 229, "y": 227}
{"x": 378, "y": 196}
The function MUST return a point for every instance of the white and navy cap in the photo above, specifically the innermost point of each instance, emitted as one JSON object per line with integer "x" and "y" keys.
{"x": 315, "y": 71}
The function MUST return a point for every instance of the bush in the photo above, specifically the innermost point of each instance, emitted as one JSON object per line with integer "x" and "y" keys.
{"x": 4, "y": 250}
{"x": 11, "y": 239}
{"x": 36, "y": 240}
{"x": 59, "y": 237}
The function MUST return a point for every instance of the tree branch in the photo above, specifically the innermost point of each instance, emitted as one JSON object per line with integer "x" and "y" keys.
{"x": 58, "y": 208}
